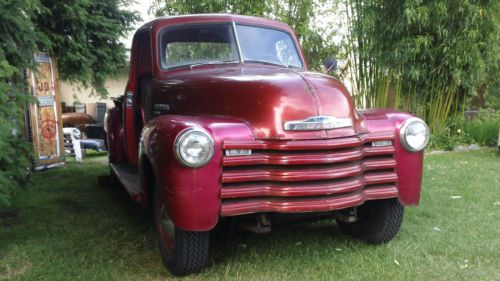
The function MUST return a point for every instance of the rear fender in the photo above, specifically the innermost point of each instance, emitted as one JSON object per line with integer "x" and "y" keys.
{"x": 408, "y": 164}
{"x": 192, "y": 195}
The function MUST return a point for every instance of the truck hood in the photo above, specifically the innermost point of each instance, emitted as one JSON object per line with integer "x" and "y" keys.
{"x": 263, "y": 97}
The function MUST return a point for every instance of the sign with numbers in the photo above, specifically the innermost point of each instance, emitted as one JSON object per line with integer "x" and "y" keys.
{"x": 45, "y": 115}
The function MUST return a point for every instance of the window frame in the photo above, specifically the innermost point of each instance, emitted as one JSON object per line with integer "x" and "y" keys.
{"x": 161, "y": 48}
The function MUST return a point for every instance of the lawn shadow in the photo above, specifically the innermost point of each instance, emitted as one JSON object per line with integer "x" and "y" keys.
{"x": 228, "y": 241}
{"x": 9, "y": 217}
{"x": 116, "y": 195}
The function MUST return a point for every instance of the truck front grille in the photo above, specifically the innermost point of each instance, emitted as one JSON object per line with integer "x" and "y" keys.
{"x": 307, "y": 175}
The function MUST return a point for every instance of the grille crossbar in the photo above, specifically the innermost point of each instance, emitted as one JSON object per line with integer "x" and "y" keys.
{"x": 307, "y": 175}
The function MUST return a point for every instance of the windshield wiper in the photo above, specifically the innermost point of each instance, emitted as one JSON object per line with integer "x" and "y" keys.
{"x": 191, "y": 66}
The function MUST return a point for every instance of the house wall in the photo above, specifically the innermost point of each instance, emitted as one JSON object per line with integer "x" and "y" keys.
{"x": 76, "y": 92}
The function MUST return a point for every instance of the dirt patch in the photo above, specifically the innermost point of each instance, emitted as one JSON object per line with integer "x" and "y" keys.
{"x": 8, "y": 272}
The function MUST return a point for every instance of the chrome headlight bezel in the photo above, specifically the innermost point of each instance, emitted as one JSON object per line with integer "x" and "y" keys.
{"x": 403, "y": 134}
{"x": 179, "y": 142}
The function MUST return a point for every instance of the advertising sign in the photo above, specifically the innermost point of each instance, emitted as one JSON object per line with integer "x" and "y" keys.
{"x": 45, "y": 115}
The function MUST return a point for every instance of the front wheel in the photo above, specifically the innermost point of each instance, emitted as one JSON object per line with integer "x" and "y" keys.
{"x": 183, "y": 252}
{"x": 378, "y": 221}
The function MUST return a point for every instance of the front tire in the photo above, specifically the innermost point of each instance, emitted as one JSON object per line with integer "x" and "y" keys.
{"x": 378, "y": 221}
{"x": 182, "y": 252}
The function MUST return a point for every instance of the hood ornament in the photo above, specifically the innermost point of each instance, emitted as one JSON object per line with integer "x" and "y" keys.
{"x": 318, "y": 123}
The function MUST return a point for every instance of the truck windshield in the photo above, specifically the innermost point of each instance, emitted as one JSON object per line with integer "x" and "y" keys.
{"x": 198, "y": 44}
{"x": 215, "y": 43}
{"x": 266, "y": 45}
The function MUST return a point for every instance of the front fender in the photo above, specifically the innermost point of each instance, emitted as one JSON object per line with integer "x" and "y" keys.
{"x": 408, "y": 164}
{"x": 192, "y": 195}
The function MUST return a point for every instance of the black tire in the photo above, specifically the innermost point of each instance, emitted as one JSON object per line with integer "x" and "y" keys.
{"x": 378, "y": 222}
{"x": 190, "y": 248}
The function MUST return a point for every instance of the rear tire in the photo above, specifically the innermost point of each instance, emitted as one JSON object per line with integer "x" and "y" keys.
{"x": 378, "y": 222}
{"x": 182, "y": 252}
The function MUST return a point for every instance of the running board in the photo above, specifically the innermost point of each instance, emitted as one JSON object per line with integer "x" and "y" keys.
{"x": 129, "y": 178}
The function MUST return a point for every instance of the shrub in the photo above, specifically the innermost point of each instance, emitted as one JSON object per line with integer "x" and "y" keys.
{"x": 447, "y": 139}
{"x": 18, "y": 45}
{"x": 483, "y": 130}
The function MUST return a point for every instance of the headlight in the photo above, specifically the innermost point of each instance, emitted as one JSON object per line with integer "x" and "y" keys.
{"x": 414, "y": 134}
{"x": 193, "y": 147}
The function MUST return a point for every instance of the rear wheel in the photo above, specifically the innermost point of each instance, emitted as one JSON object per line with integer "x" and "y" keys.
{"x": 182, "y": 252}
{"x": 378, "y": 221}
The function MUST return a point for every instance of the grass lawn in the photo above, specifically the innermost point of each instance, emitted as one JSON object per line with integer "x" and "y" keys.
{"x": 69, "y": 225}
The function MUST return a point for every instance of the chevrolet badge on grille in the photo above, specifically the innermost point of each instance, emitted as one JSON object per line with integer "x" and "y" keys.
{"x": 318, "y": 123}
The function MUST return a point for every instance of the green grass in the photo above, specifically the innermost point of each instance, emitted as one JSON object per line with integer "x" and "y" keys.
{"x": 71, "y": 226}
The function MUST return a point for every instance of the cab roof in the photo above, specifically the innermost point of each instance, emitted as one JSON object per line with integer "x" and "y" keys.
{"x": 160, "y": 22}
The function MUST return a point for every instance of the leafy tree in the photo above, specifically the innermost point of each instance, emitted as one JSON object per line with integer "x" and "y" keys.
{"x": 299, "y": 14}
{"x": 83, "y": 35}
{"x": 18, "y": 43}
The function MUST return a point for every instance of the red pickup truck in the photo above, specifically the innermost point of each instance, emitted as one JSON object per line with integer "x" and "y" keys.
{"x": 221, "y": 118}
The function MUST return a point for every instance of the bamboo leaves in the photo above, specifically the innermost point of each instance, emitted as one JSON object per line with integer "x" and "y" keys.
{"x": 421, "y": 56}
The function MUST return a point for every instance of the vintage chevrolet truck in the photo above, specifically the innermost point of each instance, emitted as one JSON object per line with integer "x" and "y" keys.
{"x": 221, "y": 119}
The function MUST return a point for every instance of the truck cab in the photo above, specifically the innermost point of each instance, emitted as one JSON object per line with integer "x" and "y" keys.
{"x": 222, "y": 119}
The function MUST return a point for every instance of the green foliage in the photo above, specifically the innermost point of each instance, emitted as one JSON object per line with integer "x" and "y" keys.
{"x": 483, "y": 130}
{"x": 436, "y": 50}
{"x": 83, "y": 35}
{"x": 447, "y": 139}
{"x": 17, "y": 47}
{"x": 299, "y": 14}
{"x": 490, "y": 80}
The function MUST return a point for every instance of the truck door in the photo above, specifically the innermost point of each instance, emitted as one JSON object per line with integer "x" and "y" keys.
{"x": 140, "y": 73}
